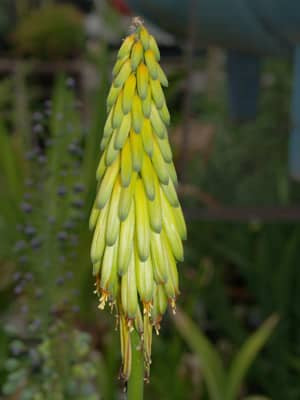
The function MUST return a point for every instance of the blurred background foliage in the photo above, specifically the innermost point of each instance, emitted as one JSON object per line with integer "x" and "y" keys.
{"x": 236, "y": 334}
{"x": 52, "y": 32}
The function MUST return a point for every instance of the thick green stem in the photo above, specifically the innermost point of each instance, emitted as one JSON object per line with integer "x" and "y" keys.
{"x": 135, "y": 387}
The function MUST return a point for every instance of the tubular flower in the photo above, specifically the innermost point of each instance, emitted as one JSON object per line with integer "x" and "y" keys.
{"x": 137, "y": 219}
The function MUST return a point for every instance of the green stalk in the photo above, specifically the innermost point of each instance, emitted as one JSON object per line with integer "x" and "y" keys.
{"x": 135, "y": 387}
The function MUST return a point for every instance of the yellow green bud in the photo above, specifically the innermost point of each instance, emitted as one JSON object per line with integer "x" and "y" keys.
{"x": 137, "y": 219}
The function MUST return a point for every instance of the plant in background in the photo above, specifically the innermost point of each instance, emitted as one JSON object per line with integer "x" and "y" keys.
{"x": 250, "y": 252}
{"x": 58, "y": 365}
{"x": 49, "y": 357}
{"x": 222, "y": 384}
{"x": 53, "y": 31}
{"x": 137, "y": 220}
{"x": 6, "y": 19}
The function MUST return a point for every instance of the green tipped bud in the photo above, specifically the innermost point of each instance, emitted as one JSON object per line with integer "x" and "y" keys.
{"x": 147, "y": 104}
{"x": 126, "y": 165}
{"x": 126, "y": 236}
{"x": 136, "y": 151}
{"x": 126, "y": 47}
{"x": 144, "y": 35}
{"x": 107, "y": 183}
{"x": 148, "y": 178}
{"x": 129, "y": 90}
{"x": 157, "y": 123}
{"x": 137, "y": 114}
{"x": 123, "y": 74}
{"x": 153, "y": 46}
{"x": 136, "y": 55}
{"x": 129, "y": 296}
{"x": 147, "y": 137}
{"x": 157, "y": 93}
{"x": 123, "y": 132}
{"x": 151, "y": 63}
{"x": 113, "y": 223}
{"x": 141, "y": 221}
{"x": 144, "y": 279}
{"x": 142, "y": 76}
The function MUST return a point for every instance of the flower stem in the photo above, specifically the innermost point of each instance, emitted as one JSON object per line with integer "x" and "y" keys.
{"x": 135, "y": 387}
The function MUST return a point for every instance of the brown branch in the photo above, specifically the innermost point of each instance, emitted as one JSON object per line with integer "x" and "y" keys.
{"x": 72, "y": 66}
{"x": 244, "y": 214}
{"x": 195, "y": 192}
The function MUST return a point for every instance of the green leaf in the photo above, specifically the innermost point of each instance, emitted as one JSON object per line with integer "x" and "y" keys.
{"x": 246, "y": 355}
{"x": 211, "y": 363}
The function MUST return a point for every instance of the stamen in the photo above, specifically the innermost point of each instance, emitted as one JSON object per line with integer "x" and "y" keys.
{"x": 173, "y": 305}
{"x": 103, "y": 299}
{"x": 147, "y": 308}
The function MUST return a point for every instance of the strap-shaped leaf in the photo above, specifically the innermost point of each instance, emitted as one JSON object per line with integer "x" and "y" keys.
{"x": 211, "y": 363}
{"x": 246, "y": 356}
